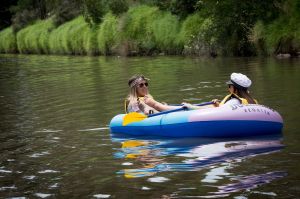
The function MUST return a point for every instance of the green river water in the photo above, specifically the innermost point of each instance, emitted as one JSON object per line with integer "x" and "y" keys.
{"x": 55, "y": 140}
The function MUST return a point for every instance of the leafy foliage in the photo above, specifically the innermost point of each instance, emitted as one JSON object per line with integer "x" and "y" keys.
{"x": 70, "y": 38}
{"x": 197, "y": 34}
{"x": 137, "y": 29}
{"x": 34, "y": 38}
{"x": 182, "y": 8}
{"x": 108, "y": 35}
{"x": 94, "y": 10}
{"x": 117, "y": 7}
{"x": 257, "y": 36}
{"x": 282, "y": 35}
{"x": 66, "y": 10}
{"x": 5, "y": 13}
{"x": 22, "y": 19}
{"x": 28, "y": 11}
{"x": 8, "y": 42}
{"x": 166, "y": 29}
{"x": 146, "y": 27}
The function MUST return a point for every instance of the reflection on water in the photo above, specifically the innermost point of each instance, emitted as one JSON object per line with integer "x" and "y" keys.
{"x": 145, "y": 157}
{"x": 248, "y": 182}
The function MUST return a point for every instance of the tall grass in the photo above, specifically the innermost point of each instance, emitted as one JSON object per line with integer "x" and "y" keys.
{"x": 76, "y": 36}
{"x": 109, "y": 34}
{"x": 142, "y": 30}
{"x": 166, "y": 29}
{"x": 34, "y": 38}
{"x": 90, "y": 40}
{"x": 138, "y": 29}
{"x": 73, "y": 37}
{"x": 147, "y": 29}
{"x": 58, "y": 39}
{"x": 8, "y": 42}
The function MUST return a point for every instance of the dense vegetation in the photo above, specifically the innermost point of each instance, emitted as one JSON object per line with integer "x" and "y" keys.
{"x": 127, "y": 27}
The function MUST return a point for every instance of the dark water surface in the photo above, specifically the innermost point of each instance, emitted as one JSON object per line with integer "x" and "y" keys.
{"x": 55, "y": 141}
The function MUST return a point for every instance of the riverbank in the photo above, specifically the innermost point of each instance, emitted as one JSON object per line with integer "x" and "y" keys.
{"x": 146, "y": 30}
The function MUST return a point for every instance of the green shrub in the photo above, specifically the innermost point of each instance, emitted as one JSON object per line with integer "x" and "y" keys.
{"x": 35, "y": 38}
{"x": 148, "y": 30}
{"x": 166, "y": 29}
{"x": 22, "y": 40}
{"x": 190, "y": 28}
{"x": 138, "y": 29}
{"x": 90, "y": 40}
{"x": 108, "y": 34}
{"x": 258, "y": 37}
{"x": 73, "y": 37}
{"x": 198, "y": 35}
{"x": 117, "y": 7}
{"x": 282, "y": 35}
{"x": 94, "y": 10}
{"x": 8, "y": 42}
{"x": 277, "y": 34}
{"x": 58, "y": 39}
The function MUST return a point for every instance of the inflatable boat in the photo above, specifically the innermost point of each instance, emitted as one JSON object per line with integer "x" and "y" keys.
{"x": 224, "y": 121}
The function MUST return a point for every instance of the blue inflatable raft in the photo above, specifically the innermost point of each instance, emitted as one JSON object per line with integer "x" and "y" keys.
{"x": 224, "y": 121}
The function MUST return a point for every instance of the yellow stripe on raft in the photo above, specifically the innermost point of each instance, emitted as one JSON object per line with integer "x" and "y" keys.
{"x": 133, "y": 117}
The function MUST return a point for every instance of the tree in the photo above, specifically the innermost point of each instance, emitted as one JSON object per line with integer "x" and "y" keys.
{"x": 118, "y": 7}
{"x": 235, "y": 20}
{"x": 65, "y": 10}
{"x": 5, "y": 13}
{"x": 94, "y": 10}
{"x": 181, "y": 8}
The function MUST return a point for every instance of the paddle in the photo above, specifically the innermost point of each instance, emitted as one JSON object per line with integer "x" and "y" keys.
{"x": 135, "y": 117}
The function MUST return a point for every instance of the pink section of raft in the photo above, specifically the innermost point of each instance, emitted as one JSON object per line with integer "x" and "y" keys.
{"x": 236, "y": 112}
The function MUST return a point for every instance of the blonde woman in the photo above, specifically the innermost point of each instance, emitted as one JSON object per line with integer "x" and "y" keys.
{"x": 139, "y": 99}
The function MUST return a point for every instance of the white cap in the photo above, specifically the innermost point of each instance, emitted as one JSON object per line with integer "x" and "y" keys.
{"x": 239, "y": 80}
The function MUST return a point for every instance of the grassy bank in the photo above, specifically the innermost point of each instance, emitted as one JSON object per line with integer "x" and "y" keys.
{"x": 8, "y": 41}
{"x": 35, "y": 38}
{"x": 73, "y": 37}
{"x": 109, "y": 35}
{"x": 146, "y": 30}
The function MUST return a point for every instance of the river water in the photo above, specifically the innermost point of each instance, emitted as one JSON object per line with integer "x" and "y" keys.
{"x": 55, "y": 140}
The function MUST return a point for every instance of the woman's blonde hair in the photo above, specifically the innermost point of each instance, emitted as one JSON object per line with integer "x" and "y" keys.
{"x": 132, "y": 83}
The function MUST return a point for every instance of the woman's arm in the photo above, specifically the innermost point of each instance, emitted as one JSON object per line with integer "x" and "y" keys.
{"x": 140, "y": 107}
{"x": 147, "y": 109}
{"x": 157, "y": 105}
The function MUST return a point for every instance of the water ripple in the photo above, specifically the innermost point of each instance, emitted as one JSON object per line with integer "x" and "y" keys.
{"x": 249, "y": 182}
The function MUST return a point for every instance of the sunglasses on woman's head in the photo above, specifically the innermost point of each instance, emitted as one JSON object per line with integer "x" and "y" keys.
{"x": 141, "y": 85}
